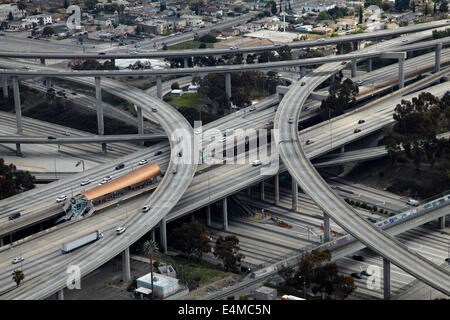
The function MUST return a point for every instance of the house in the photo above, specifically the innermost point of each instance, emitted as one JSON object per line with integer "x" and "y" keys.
{"x": 176, "y": 92}
{"x": 39, "y": 19}
{"x": 192, "y": 20}
{"x": 210, "y": 11}
{"x": 373, "y": 13}
{"x": 124, "y": 30}
{"x": 5, "y": 9}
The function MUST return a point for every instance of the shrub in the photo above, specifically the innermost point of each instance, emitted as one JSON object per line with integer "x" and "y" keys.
{"x": 243, "y": 298}
{"x": 156, "y": 264}
{"x": 230, "y": 298}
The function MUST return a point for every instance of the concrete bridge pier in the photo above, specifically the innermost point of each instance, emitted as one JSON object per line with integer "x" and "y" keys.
{"x": 277, "y": 189}
{"x": 186, "y": 63}
{"x": 302, "y": 71}
{"x": 437, "y": 59}
{"x": 442, "y": 222}
{"x": 48, "y": 83}
{"x": 262, "y": 191}
{"x": 326, "y": 227}
{"x": 159, "y": 87}
{"x": 1, "y": 241}
{"x": 17, "y": 106}
{"x": 5, "y": 86}
{"x": 140, "y": 122}
{"x": 43, "y": 61}
{"x": 100, "y": 120}
{"x": 332, "y": 78}
{"x": 225, "y": 214}
{"x": 126, "y": 272}
{"x": 369, "y": 65}
{"x": 340, "y": 48}
{"x": 249, "y": 191}
{"x": 386, "y": 279}
{"x": 208, "y": 216}
{"x": 163, "y": 235}
{"x": 343, "y": 149}
{"x": 60, "y": 294}
{"x": 294, "y": 194}
{"x": 353, "y": 69}
{"x": 401, "y": 72}
{"x": 228, "y": 84}
{"x": 355, "y": 45}
{"x": 154, "y": 234}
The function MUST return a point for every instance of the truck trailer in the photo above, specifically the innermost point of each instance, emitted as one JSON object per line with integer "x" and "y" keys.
{"x": 79, "y": 242}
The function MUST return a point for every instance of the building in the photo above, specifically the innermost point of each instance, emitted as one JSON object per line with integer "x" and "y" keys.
{"x": 124, "y": 30}
{"x": 164, "y": 286}
{"x": 176, "y": 92}
{"x": 265, "y": 293}
{"x": 192, "y": 20}
{"x": 167, "y": 270}
{"x": 39, "y": 19}
{"x": 5, "y": 9}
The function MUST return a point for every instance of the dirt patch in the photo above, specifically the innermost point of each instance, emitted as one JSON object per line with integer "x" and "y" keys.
{"x": 214, "y": 285}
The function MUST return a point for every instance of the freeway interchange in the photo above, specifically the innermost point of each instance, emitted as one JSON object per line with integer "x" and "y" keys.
{"x": 226, "y": 181}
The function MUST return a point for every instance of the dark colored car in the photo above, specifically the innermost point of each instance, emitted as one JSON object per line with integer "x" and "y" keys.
{"x": 361, "y": 121}
{"x": 120, "y": 166}
{"x": 372, "y": 219}
{"x": 356, "y": 275}
{"x": 358, "y": 257}
{"x": 157, "y": 153}
{"x": 14, "y": 216}
{"x": 302, "y": 84}
{"x": 51, "y": 137}
{"x": 365, "y": 273}
{"x": 357, "y": 130}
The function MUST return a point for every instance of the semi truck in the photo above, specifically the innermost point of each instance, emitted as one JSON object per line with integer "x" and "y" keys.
{"x": 79, "y": 242}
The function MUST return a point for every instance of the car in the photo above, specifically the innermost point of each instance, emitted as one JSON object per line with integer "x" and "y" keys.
{"x": 252, "y": 108}
{"x": 120, "y": 230}
{"x": 197, "y": 131}
{"x": 291, "y": 120}
{"x": 17, "y": 260}
{"x": 174, "y": 170}
{"x": 143, "y": 161}
{"x": 412, "y": 202}
{"x": 120, "y": 166}
{"x": 154, "y": 110}
{"x": 85, "y": 182}
{"x": 447, "y": 260}
{"x": 107, "y": 178}
{"x": 321, "y": 39}
{"x": 302, "y": 84}
{"x": 365, "y": 273}
{"x": 29, "y": 37}
{"x": 269, "y": 123}
{"x": 373, "y": 220}
{"x": 357, "y": 257}
{"x": 146, "y": 208}
{"x": 51, "y": 137}
{"x": 305, "y": 108}
{"x": 134, "y": 52}
{"x": 361, "y": 121}
{"x": 180, "y": 154}
{"x": 359, "y": 82}
{"x": 256, "y": 163}
{"x": 74, "y": 93}
{"x": 356, "y": 275}
{"x": 405, "y": 40}
{"x": 26, "y": 68}
{"x": 109, "y": 148}
{"x": 121, "y": 44}
{"x": 61, "y": 198}
{"x": 157, "y": 153}
{"x": 14, "y": 216}
{"x": 233, "y": 48}
{"x": 276, "y": 44}
{"x": 102, "y": 53}
{"x": 357, "y": 130}
{"x": 309, "y": 141}
{"x": 223, "y": 139}
{"x": 67, "y": 133}
{"x": 344, "y": 63}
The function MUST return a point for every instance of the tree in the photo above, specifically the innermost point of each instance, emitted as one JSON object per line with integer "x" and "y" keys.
{"x": 360, "y": 15}
{"x": 227, "y": 249}
{"x": 435, "y": 8}
{"x": 22, "y": 6}
{"x": 378, "y": 3}
{"x": 148, "y": 248}
{"x": 18, "y": 277}
{"x": 191, "y": 238}
{"x": 273, "y": 8}
{"x": 401, "y": 5}
{"x": 426, "y": 9}
{"x": 208, "y": 38}
{"x": 48, "y": 31}
{"x": 175, "y": 86}
{"x": 444, "y": 6}
{"x": 90, "y": 4}
{"x": 284, "y": 53}
{"x": 10, "y": 16}
{"x": 66, "y": 4}
{"x": 324, "y": 15}
{"x": 13, "y": 181}
{"x": 165, "y": 47}
{"x": 342, "y": 96}
{"x": 162, "y": 7}
{"x": 414, "y": 6}
{"x": 202, "y": 46}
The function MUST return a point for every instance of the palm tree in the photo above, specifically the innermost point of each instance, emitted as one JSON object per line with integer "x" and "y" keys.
{"x": 18, "y": 276}
{"x": 148, "y": 248}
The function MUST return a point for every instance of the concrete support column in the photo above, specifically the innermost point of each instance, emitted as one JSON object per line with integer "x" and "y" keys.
{"x": 17, "y": 106}
{"x": 48, "y": 83}
{"x": 387, "y": 279}
{"x": 163, "y": 235}
{"x": 302, "y": 72}
{"x": 437, "y": 59}
{"x": 343, "y": 149}
{"x": 294, "y": 194}
{"x": 401, "y": 74}
{"x": 208, "y": 216}
{"x": 409, "y": 54}
{"x": 355, "y": 45}
{"x": 369, "y": 65}
{"x": 326, "y": 227}
{"x": 126, "y": 272}
{"x": 277, "y": 189}
{"x": 186, "y": 65}
{"x": 262, "y": 191}
{"x": 18, "y": 149}
{"x": 228, "y": 84}
{"x": 192, "y": 217}
{"x": 159, "y": 87}
{"x": 100, "y": 121}
{"x": 249, "y": 191}
{"x": 140, "y": 120}
{"x": 60, "y": 294}
{"x": 43, "y": 61}
{"x": 225, "y": 214}
{"x": 340, "y": 48}
{"x": 332, "y": 78}
{"x": 154, "y": 235}
{"x": 5, "y": 86}
{"x": 1, "y": 241}
{"x": 442, "y": 222}
{"x": 353, "y": 68}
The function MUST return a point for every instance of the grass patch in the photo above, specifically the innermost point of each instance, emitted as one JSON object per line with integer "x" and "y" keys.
{"x": 191, "y": 44}
{"x": 189, "y": 100}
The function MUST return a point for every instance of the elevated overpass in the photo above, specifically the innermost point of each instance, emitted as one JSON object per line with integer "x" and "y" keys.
{"x": 75, "y": 140}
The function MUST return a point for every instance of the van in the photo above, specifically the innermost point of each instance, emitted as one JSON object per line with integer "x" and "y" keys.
{"x": 412, "y": 202}
{"x": 14, "y": 216}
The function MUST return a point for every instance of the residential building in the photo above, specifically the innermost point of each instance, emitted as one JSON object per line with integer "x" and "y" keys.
{"x": 192, "y": 20}
{"x": 39, "y": 19}
{"x": 5, "y": 9}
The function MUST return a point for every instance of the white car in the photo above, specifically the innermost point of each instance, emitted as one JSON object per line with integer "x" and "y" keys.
{"x": 252, "y": 108}
{"x": 107, "y": 178}
{"x": 291, "y": 120}
{"x": 197, "y": 131}
{"x": 17, "y": 260}
{"x": 144, "y": 161}
{"x": 309, "y": 141}
{"x": 223, "y": 139}
{"x": 120, "y": 230}
{"x": 256, "y": 163}
{"x": 405, "y": 40}
{"x": 85, "y": 182}
{"x": 321, "y": 39}
{"x": 146, "y": 208}
{"x": 61, "y": 198}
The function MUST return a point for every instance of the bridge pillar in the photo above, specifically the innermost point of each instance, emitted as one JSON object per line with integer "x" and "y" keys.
{"x": 369, "y": 65}
{"x": 186, "y": 64}
{"x": 225, "y": 214}
{"x": 163, "y": 235}
{"x": 140, "y": 122}
{"x": 228, "y": 84}
{"x": 343, "y": 149}
{"x": 355, "y": 45}
{"x": 437, "y": 59}
{"x": 60, "y": 294}
{"x": 154, "y": 235}
{"x": 353, "y": 74}
{"x": 386, "y": 279}
{"x": 126, "y": 273}
{"x": 294, "y": 194}
{"x": 326, "y": 227}
{"x": 249, "y": 191}
{"x": 100, "y": 121}
{"x": 302, "y": 71}
{"x": 277, "y": 189}
{"x": 340, "y": 48}
{"x": 5, "y": 86}
{"x": 159, "y": 87}
{"x": 442, "y": 222}
{"x": 208, "y": 216}
{"x": 43, "y": 61}
{"x": 1, "y": 241}
{"x": 48, "y": 83}
{"x": 192, "y": 217}
{"x": 18, "y": 150}
{"x": 401, "y": 74}
{"x": 409, "y": 54}
{"x": 332, "y": 78}
{"x": 262, "y": 191}
{"x": 17, "y": 106}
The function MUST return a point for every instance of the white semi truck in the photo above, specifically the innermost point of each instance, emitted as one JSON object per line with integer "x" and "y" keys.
{"x": 76, "y": 243}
